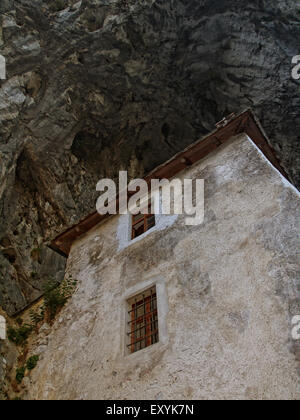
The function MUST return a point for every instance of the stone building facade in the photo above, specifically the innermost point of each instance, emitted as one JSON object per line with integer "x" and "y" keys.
{"x": 226, "y": 292}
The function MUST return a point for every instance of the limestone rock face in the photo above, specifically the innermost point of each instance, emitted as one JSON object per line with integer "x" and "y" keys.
{"x": 97, "y": 86}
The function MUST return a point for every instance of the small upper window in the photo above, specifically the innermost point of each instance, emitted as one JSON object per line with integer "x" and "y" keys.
{"x": 142, "y": 222}
{"x": 143, "y": 321}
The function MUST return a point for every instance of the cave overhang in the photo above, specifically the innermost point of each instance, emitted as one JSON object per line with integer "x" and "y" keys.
{"x": 246, "y": 123}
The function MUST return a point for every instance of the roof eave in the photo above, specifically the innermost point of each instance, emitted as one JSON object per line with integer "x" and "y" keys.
{"x": 246, "y": 122}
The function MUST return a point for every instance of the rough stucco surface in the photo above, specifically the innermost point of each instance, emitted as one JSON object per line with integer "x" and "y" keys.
{"x": 95, "y": 86}
{"x": 232, "y": 286}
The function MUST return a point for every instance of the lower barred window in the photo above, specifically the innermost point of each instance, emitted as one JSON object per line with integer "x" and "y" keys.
{"x": 143, "y": 321}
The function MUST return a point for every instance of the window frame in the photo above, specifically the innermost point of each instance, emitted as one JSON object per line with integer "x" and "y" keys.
{"x": 135, "y": 289}
{"x": 144, "y": 218}
{"x": 147, "y": 322}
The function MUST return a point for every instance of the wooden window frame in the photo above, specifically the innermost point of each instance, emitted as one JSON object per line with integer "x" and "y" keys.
{"x": 144, "y": 218}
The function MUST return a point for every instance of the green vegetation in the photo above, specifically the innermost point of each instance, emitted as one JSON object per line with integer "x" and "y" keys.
{"x": 20, "y": 373}
{"x": 19, "y": 321}
{"x": 32, "y": 362}
{"x": 19, "y": 335}
{"x": 36, "y": 317}
{"x": 56, "y": 295}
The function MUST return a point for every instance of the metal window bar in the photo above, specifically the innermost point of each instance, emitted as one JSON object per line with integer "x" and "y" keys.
{"x": 143, "y": 304}
{"x": 155, "y": 321}
{"x": 144, "y": 326}
{"x": 139, "y": 340}
{"x": 142, "y": 316}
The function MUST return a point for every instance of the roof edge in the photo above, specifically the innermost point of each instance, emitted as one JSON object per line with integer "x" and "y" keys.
{"x": 246, "y": 122}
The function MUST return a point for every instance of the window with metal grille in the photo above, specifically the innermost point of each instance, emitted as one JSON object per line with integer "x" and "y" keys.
{"x": 143, "y": 321}
{"x": 142, "y": 222}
